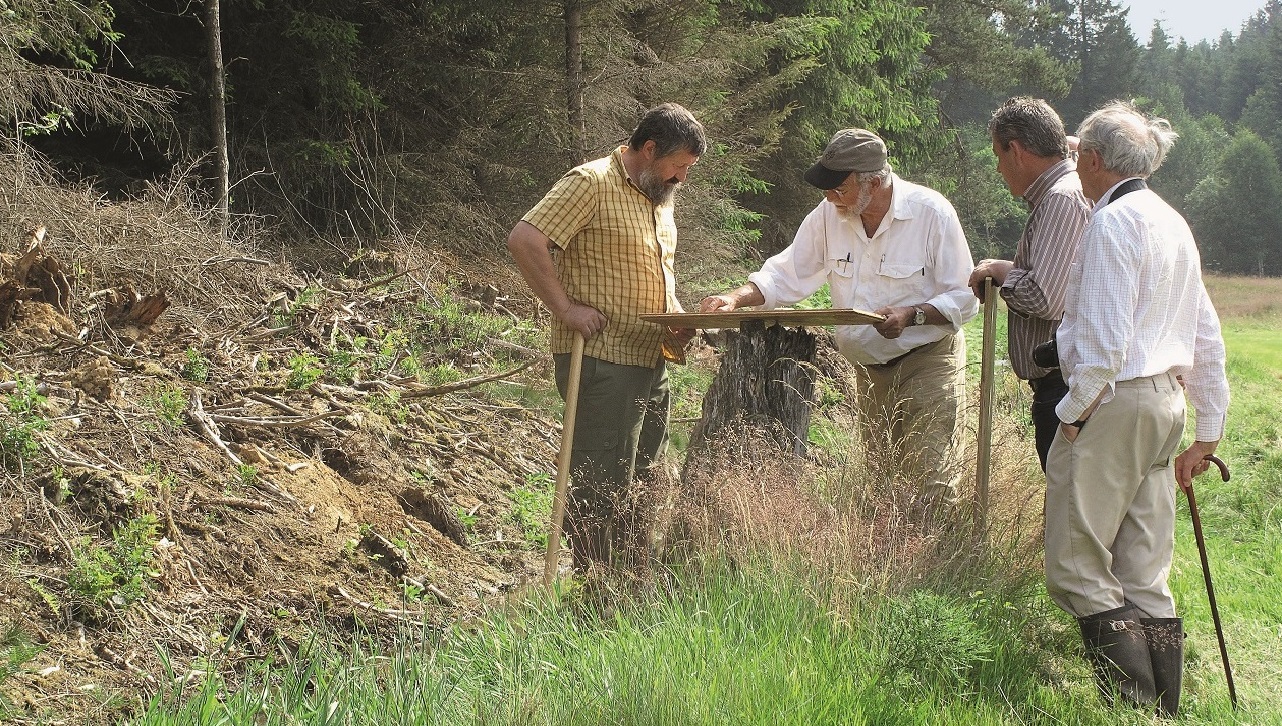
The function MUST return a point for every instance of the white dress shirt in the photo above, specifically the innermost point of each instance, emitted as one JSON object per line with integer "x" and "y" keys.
{"x": 918, "y": 255}
{"x": 1137, "y": 307}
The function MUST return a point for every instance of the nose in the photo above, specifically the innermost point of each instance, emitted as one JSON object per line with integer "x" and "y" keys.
{"x": 681, "y": 174}
{"x": 832, "y": 195}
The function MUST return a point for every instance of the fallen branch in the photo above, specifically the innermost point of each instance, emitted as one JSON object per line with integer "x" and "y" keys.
{"x": 439, "y": 594}
{"x": 281, "y": 405}
{"x": 207, "y": 427}
{"x": 423, "y": 392}
{"x": 520, "y": 350}
{"x": 386, "y": 279}
{"x": 120, "y": 360}
{"x": 239, "y": 503}
{"x": 205, "y": 423}
{"x": 284, "y": 422}
{"x": 401, "y": 615}
{"x": 220, "y": 259}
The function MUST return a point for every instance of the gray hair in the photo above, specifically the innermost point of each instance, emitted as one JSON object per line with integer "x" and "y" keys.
{"x": 1033, "y": 123}
{"x": 672, "y": 128}
{"x": 863, "y": 177}
{"x": 1128, "y": 142}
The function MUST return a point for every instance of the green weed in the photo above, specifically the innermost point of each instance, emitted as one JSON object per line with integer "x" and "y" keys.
{"x": 20, "y": 424}
{"x": 196, "y": 367}
{"x": 304, "y": 371}
{"x": 168, "y": 404}
{"x": 16, "y": 650}
{"x": 246, "y": 475}
{"x": 532, "y": 508}
{"x": 106, "y": 578}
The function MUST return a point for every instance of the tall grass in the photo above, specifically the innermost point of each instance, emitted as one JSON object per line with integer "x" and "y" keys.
{"x": 813, "y": 598}
{"x": 744, "y": 646}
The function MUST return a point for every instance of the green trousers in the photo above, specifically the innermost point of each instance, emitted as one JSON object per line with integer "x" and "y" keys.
{"x": 620, "y": 435}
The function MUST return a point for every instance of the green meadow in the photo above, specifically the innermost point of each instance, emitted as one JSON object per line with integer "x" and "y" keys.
{"x": 846, "y": 615}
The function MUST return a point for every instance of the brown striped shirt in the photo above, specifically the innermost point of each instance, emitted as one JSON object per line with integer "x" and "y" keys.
{"x": 1034, "y": 289}
{"x": 616, "y": 251}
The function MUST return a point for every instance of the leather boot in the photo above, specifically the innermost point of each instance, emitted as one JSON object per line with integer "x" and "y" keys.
{"x": 1119, "y": 655}
{"x": 1166, "y": 651}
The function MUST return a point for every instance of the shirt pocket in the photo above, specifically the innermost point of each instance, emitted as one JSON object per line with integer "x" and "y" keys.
{"x": 842, "y": 266}
{"x": 902, "y": 281}
{"x": 900, "y": 271}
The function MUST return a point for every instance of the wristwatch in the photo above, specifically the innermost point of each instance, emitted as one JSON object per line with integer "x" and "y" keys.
{"x": 919, "y": 316}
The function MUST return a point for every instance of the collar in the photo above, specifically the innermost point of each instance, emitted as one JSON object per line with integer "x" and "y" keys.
{"x": 1108, "y": 195}
{"x": 1043, "y": 183}
{"x": 616, "y": 164}
{"x": 618, "y": 167}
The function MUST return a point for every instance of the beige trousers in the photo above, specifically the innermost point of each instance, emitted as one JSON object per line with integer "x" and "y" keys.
{"x": 913, "y": 411}
{"x": 1110, "y": 503}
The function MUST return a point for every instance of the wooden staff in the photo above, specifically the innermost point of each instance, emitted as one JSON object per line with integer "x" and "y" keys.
{"x": 563, "y": 462}
{"x": 984, "y": 456}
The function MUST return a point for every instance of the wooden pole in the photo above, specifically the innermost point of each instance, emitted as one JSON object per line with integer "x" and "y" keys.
{"x": 984, "y": 456}
{"x": 563, "y": 462}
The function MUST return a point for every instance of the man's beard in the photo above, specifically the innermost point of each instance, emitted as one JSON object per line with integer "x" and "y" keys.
{"x": 861, "y": 203}
{"x": 660, "y": 191}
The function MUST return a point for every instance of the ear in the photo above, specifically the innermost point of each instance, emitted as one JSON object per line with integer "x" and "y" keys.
{"x": 650, "y": 149}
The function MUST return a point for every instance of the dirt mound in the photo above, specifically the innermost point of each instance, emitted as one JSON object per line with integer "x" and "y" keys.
{"x": 257, "y": 461}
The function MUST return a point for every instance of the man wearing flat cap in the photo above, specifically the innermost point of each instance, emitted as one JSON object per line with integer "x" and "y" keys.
{"x": 897, "y": 248}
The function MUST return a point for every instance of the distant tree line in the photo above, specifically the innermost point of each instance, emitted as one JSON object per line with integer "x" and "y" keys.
{"x": 447, "y": 118}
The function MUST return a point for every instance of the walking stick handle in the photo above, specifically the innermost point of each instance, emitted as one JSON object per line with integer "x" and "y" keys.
{"x": 1219, "y": 464}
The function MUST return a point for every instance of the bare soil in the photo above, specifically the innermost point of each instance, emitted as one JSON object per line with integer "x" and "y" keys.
{"x": 277, "y": 505}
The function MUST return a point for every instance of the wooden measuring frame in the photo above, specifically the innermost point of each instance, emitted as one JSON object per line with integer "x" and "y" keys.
{"x": 734, "y": 318}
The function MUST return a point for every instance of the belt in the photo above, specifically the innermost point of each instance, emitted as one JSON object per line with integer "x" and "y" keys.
{"x": 896, "y": 360}
{"x": 1159, "y": 382}
{"x": 1054, "y": 378}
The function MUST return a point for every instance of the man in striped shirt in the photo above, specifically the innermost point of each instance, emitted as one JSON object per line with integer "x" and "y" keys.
{"x": 1033, "y": 156}
{"x": 610, "y": 224}
{"x": 1139, "y": 334}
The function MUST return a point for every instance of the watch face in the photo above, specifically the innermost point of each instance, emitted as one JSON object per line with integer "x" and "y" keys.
{"x": 919, "y": 318}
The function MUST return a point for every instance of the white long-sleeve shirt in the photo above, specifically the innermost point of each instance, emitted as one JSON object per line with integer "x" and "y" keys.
{"x": 918, "y": 255}
{"x": 1137, "y": 307}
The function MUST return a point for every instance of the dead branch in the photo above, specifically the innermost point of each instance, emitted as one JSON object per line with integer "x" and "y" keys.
{"x": 423, "y": 392}
{"x": 207, "y": 427}
{"x": 284, "y": 422}
{"x": 281, "y": 405}
{"x": 220, "y": 259}
{"x": 238, "y": 503}
{"x": 120, "y": 360}
{"x": 401, "y": 615}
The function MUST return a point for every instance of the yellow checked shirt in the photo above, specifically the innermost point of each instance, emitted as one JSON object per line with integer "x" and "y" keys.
{"x": 616, "y": 254}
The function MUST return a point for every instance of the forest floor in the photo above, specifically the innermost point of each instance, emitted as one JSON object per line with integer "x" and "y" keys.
{"x": 277, "y": 452}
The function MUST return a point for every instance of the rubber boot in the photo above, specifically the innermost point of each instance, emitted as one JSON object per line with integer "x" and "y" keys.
{"x": 1166, "y": 651}
{"x": 1119, "y": 655}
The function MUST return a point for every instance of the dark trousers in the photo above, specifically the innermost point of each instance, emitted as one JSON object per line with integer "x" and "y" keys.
{"x": 620, "y": 434}
{"x": 1047, "y": 392}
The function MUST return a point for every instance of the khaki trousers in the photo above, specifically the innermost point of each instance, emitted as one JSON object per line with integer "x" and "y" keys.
{"x": 911, "y": 415}
{"x": 1110, "y": 503}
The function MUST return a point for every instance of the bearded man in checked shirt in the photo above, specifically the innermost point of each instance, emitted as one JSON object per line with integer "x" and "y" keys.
{"x": 610, "y": 223}
{"x": 1139, "y": 334}
{"x": 1033, "y": 157}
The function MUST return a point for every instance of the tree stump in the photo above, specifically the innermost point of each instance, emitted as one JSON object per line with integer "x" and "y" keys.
{"x": 767, "y": 380}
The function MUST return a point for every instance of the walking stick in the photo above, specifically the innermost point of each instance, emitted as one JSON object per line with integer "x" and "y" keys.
{"x": 983, "y": 458}
{"x": 563, "y": 462}
{"x": 1206, "y": 574}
